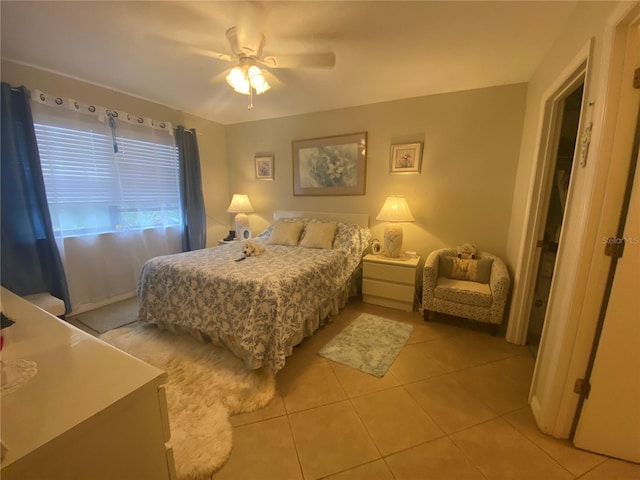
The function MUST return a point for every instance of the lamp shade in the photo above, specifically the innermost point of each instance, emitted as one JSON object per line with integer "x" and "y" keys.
{"x": 395, "y": 209}
{"x": 240, "y": 204}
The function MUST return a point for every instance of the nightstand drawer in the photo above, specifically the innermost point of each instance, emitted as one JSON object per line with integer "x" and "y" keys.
{"x": 375, "y": 288}
{"x": 390, "y": 273}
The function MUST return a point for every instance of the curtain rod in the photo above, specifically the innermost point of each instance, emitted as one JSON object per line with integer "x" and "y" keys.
{"x": 189, "y": 130}
{"x": 17, "y": 89}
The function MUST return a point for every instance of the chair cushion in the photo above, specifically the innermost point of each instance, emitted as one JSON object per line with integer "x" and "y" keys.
{"x": 465, "y": 268}
{"x": 463, "y": 291}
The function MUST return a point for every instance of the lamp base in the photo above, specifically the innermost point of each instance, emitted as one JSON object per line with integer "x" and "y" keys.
{"x": 241, "y": 221}
{"x": 393, "y": 240}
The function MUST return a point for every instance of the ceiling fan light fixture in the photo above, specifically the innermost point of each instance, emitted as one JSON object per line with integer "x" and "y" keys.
{"x": 257, "y": 80}
{"x": 238, "y": 80}
{"x": 245, "y": 77}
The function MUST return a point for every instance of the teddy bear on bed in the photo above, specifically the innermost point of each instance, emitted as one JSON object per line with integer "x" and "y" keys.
{"x": 467, "y": 251}
{"x": 251, "y": 248}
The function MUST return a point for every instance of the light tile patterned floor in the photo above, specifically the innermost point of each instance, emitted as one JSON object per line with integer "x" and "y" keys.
{"x": 452, "y": 406}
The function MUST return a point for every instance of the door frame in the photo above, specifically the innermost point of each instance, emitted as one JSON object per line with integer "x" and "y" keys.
{"x": 575, "y": 72}
{"x": 555, "y": 107}
{"x": 553, "y": 354}
{"x": 566, "y": 345}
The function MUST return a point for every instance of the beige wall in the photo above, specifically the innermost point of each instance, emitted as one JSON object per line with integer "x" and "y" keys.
{"x": 211, "y": 139}
{"x": 464, "y": 193}
{"x": 588, "y": 21}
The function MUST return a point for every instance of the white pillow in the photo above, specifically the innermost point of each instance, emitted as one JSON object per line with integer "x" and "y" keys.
{"x": 286, "y": 233}
{"x": 318, "y": 235}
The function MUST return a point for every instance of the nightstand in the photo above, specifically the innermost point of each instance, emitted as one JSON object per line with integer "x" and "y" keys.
{"x": 390, "y": 282}
{"x": 222, "y": 242}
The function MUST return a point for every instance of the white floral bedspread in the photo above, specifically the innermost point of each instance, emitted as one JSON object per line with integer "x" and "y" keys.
{"x": 255, "y": 306}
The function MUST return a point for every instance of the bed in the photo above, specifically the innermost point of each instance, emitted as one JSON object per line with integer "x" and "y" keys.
{"x": 264, "y": 305}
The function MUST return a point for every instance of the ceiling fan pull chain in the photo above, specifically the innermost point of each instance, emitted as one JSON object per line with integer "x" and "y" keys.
{"x": 250, "y": 107}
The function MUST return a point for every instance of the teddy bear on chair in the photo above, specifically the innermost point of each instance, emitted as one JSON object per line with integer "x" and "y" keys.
{"x": 467, "y": 251}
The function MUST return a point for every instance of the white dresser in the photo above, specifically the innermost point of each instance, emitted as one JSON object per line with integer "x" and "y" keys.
{"x": 89, "y": 412}
{"x": 390, "y": 282}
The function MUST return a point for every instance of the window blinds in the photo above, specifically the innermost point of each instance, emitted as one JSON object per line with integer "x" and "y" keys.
{"x": 91, "y": 189}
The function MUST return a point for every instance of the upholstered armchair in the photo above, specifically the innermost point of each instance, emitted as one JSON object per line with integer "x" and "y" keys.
{"x": 473, "y": 289}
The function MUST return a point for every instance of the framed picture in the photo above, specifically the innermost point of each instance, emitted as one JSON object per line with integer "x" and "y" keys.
{"x": 376, "y": 247}
{"x": 330, "y": 165}
{"x": 245, "y": 233}
{"x": 264, "y": 167}
{"x": 406, "y": 158}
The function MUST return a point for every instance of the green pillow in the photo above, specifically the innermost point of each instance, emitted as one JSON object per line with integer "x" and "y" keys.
{"x": 465, "y": 269}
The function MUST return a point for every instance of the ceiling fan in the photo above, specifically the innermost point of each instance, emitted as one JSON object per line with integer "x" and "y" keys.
{"x": 247, "y": 47}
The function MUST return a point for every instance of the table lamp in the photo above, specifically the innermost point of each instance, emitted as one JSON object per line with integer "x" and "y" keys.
{"x": 240, "y": 205}
{"x": 394, "y": 210}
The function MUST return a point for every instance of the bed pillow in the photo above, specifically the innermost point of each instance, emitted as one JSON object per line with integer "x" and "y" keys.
{"x": 465, "y": 269}
{"x": 318, "y": 235}
{"x": 285, "y": 233}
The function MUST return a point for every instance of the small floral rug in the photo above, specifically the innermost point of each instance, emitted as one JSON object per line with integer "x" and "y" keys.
{"x": 370, "y": 344}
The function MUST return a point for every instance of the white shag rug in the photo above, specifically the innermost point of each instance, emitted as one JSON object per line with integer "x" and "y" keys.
{"x": 206, "y": 384}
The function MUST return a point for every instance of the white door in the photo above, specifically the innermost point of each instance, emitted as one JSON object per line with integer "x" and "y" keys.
{"x": 610, "y": 419}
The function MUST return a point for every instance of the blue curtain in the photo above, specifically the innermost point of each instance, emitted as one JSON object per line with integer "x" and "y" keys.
{"x": 31, "y": 261}
{"x": 194, "y": 233}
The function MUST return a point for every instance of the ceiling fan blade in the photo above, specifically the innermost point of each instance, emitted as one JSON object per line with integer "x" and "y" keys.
{"x": 307, "y": 60}
{"x": 245, "y": 43}
{"x": 196, "y": 50}
{"x": 210, "y": 53}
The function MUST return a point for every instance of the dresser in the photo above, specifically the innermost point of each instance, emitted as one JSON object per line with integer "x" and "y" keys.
{"x": 87, "y": 411}
{"x": 390, "y": 282}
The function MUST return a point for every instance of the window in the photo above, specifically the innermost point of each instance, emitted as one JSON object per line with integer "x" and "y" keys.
{"x": 91, "y": 189}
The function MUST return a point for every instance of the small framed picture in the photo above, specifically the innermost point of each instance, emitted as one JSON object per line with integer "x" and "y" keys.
{"x": 376, "y": 247}
{"x": 245, "y": 233}
{"x": 406, "y": 158}
{"x": 264, "y": 167}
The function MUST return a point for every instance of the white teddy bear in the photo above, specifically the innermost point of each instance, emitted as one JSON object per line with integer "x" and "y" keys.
{"x": 251, "y": 249}
{"x": 467, "y": 250}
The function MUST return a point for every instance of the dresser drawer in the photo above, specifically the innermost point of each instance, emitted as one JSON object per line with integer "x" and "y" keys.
{"x": 376, "y": 288}
{"x": 390, "y": 273}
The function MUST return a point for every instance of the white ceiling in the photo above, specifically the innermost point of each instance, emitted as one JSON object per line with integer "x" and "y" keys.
{"x": 384, "y": 50}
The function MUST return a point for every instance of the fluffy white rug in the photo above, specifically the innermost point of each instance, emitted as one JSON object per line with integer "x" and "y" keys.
{"x": 206, "y": 384}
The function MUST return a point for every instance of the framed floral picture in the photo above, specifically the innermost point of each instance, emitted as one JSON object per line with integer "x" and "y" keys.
{"x": 330, "y": 165}
{"x": 264, "y": 167}
{"x": 406, "y": 158}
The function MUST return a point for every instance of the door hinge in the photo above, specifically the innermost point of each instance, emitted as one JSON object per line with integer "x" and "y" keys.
{"x": 614, "y": 247}
{"x": 636, "y": 78}
{"x": 582, "y": 387}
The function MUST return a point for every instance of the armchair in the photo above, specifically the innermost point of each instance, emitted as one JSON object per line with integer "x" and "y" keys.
{"x": 476, "y": 290}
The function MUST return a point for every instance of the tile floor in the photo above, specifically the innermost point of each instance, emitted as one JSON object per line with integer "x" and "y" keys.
{"x": 453, "y": 406}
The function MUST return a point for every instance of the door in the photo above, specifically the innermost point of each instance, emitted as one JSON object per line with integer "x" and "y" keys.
{"x": 608, "y": 414}
{"x": 609, "y": 422}
{"x": 555, "y": 208}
